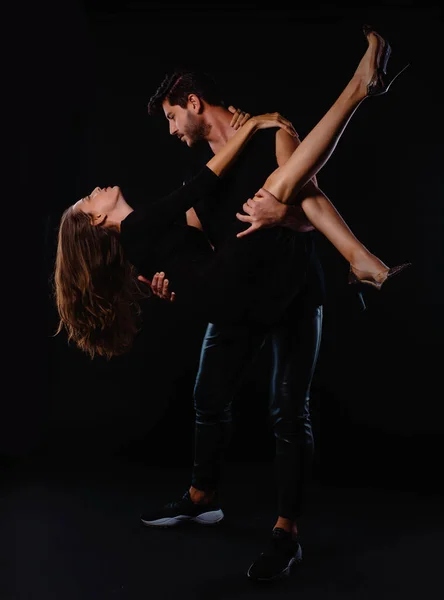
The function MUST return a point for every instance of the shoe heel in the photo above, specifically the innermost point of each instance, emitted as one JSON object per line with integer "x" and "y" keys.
{"x": 357, "y": 287}
{"x": 357, "y": 298}
{"x": 362, "y": 303}
{"x": 394, "y": 78}
{"x": 378, "y": 87}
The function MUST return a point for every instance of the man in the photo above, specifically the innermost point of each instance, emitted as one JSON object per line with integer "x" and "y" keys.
{"x": 292, "y": 321}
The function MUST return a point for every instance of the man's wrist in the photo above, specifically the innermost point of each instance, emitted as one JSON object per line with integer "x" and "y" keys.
{"x": 296, "y": 219}
{"x": 286, "y": 213}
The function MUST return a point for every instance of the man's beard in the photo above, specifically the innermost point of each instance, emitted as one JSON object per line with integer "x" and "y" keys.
{"x": 196, "y": 130}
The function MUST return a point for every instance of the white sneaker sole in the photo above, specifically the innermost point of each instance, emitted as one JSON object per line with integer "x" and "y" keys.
{"x": 208, "y": 518}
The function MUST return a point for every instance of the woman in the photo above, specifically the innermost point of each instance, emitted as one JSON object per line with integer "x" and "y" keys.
{"x": 102, "y": 239}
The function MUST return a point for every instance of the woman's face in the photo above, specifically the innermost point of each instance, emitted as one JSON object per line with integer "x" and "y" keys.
{"x": 100, "y": 203}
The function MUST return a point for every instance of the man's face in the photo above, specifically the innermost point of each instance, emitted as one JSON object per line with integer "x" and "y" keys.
{"x": 185, "y": 123}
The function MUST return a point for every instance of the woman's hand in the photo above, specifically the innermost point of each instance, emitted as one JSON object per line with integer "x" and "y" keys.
{"x": 239, "y": 117}
{"x": 268, "y": 120}
{"x": 159, "y": 286}
{"x": 264, "y": 121}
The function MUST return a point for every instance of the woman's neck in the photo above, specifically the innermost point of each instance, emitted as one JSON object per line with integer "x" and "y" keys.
{"x": 119, "y": 214}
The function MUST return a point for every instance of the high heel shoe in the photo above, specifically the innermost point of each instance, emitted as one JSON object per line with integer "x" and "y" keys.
{"x": 377, "y": 86}
{"x": 377, "y": 281}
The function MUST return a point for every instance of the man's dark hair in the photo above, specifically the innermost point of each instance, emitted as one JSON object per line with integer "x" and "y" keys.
{"x": 177, "y": 86}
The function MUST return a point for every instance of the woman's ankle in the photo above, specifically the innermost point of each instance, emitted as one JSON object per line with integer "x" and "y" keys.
{"x": 368, "y": 262}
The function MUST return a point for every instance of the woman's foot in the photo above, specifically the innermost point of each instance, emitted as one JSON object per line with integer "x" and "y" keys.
{"x": 372, "y": 271}
{"x": 368, "y": 269}
{"x": 372, "y": 70}
{"x": 372, "y": 66}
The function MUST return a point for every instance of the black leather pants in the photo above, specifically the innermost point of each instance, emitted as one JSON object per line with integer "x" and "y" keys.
{"x": 226, "y": 351}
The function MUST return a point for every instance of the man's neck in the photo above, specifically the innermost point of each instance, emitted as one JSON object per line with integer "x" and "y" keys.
{"x": 220, "y": 132}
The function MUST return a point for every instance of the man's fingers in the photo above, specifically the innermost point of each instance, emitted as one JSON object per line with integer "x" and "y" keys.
{"x": 263, "y": 194}
{"x": 248, "y": 206}
{"x": 173, "y": 296}
{"x": 252, "y": 228}
{"x": 231, "y": 109}
{"x": 244, "y": 218}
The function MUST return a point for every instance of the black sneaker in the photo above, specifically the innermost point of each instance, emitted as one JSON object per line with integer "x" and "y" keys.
{"x": 182, "y": 510}
{"x": 276, "y": 561}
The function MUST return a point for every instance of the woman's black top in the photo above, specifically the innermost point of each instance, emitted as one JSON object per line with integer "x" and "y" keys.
{"x": 237, "y": 283}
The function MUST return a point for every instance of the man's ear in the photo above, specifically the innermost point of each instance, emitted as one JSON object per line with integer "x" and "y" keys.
{"x": 196, "y": 103}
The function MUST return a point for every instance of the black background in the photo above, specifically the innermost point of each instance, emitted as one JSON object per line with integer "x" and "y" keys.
{"x": 80, "y": 78}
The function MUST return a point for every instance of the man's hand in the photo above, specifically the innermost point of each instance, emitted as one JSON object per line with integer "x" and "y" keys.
{"x": 264, "y": 210}
{"x": 159, "y": 286}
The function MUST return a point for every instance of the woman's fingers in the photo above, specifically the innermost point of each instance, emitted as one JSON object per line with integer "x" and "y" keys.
{"x": 243, "y": 118}
{"x": 289, "y": 128}
{"x": 239, "y": 117}
{"x": 160, "y": 287}
{"x": 234, "y": 123}
{"x": 144, "y": 279}
{"x": 154, "y": 283}
{"x": 157, "y": 283}
{"x": 166, "y": 294}
{"x": 285, "y": 124}
{"x": 276, "y": 120}
{"x": 266, "y": 120}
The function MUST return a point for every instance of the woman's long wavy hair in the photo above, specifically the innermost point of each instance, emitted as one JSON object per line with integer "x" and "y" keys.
{"x": 96, "y": 289}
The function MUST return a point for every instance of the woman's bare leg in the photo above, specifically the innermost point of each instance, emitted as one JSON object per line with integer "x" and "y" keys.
{"x": 311, "y": 155}
{"x": 317, "y": 147}
{"x": 287, "y": 181}
{"x": 325, "y": 218}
